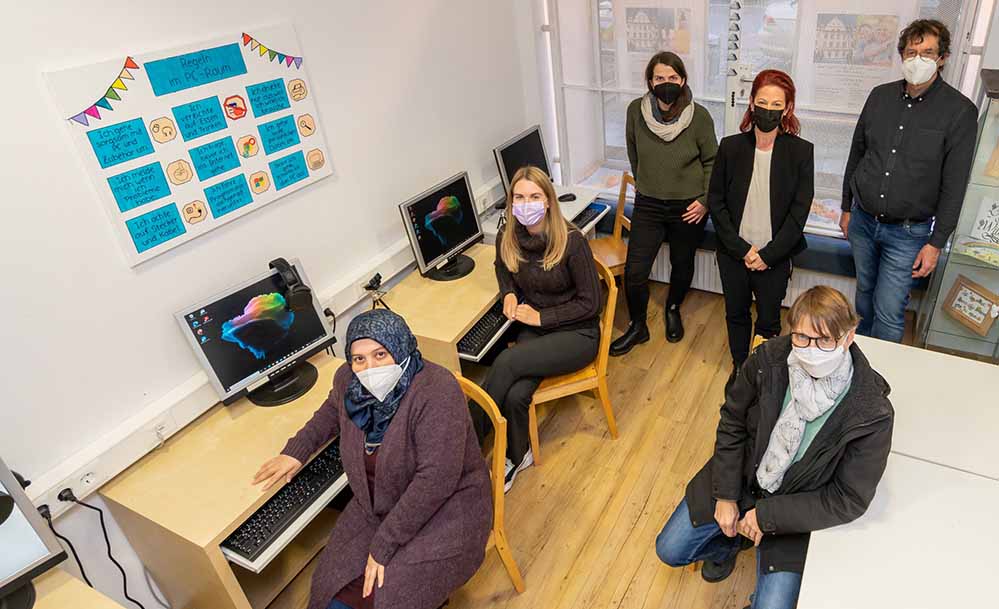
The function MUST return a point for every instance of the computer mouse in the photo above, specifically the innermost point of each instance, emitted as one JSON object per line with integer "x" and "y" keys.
{"x": 567, "y": 197}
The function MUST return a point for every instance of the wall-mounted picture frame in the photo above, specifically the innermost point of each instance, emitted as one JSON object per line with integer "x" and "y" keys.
{"x": 972, "y": 305}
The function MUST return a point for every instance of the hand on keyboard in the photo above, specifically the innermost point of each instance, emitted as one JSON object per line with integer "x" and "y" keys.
{"x": 510, "y": 306}
{"x": 281, "y": 467}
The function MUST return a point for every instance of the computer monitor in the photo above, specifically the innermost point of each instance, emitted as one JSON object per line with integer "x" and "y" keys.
{"x": 526, "y": 148}
{"x": 250, "y": 342}
{"x": 441, "y": 223}
{"x": 27, "y": 547}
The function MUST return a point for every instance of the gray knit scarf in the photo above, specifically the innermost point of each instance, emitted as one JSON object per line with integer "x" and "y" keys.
{"x": 810, "y": 399}
{"x": 668, "y": 131}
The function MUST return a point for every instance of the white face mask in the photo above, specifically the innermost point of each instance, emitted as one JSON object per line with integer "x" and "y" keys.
{"x": 816, "y": 362}
{"x": 918, "y": 70}
{"x": 380, "y": 381}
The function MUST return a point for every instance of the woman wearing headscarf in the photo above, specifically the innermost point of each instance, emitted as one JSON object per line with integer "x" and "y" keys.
{"x": 417, "y": 526}
{"x": 802, "y": 443}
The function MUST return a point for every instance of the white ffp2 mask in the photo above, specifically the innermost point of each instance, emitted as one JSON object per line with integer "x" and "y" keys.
{"x": 918, "y": 70}
{"x": 382, "y": 380}
{"x": 818, "y": 363}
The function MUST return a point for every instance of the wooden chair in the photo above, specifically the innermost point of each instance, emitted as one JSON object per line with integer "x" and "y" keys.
{"x": 613, "y": 251}
{"x": 591, "y": 378}
{"x": 757, "y": 341}
{"x": 496, "y": 470}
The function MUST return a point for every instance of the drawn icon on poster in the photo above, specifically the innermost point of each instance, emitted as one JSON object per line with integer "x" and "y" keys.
{"x": 247, "y": 146}
{"x": 315, "y": 159}
{"x": 179, "y": 172}
{"x": 306, "y": 125}
{"x": 194, "y": 212}
{"x": 235, "y": 107}
{"x": 260, "y": 182}
{"x": 297, "y": 89}
{"x": 163, "y": 130}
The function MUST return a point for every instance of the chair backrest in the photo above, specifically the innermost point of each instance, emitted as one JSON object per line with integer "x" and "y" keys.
{"x": 607, "y": 318}
{"x": 497, "y": 469}
{"x": 620, "y": 220}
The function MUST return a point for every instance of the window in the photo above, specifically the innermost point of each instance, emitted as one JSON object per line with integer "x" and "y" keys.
{"x": 835, "y": 55}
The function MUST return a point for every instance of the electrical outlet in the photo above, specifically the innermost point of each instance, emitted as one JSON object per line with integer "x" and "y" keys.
{"x": 161, "y": 428}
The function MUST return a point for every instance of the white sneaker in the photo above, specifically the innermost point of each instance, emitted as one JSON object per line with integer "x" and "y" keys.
{"x": 511, "y": 471}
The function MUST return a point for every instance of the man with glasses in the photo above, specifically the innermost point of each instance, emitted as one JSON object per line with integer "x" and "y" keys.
{"x": 905, "y": 179}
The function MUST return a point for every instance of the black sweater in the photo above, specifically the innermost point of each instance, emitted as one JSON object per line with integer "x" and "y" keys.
{"x": 568, "y": 295}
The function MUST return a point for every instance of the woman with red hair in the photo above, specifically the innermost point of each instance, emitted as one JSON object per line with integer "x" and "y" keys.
{"x": 759, "y": 196}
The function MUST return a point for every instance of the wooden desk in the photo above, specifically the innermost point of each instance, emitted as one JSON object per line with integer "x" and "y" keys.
{"x": 946, "y": 407}
{"x": 440, "y": 312}
{"x": 926, "y": 541}
{"x": 60, "y": 590}
{"x": 178, "y": 503}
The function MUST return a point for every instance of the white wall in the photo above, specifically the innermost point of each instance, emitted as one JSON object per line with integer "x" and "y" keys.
{"x": 409, "y": 93}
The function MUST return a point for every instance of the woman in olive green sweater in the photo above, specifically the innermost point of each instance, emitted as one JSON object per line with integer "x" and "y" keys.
{"x": 671, "y": 147}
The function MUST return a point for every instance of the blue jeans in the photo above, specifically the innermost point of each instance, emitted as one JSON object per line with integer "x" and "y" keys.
{"x": 680, "y": 543}
{"x": 884, "y": 255}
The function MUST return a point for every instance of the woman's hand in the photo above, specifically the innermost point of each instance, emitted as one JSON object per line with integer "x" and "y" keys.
{"x": 526, "y": 314}
{"x": 753, "y": 260}
{"x": 695, "y": 213}
{"x": 727, "y": 515}
{"x": 748, "y": 527}
{"x": 510, "y": 306}
{"x": 373, "y": 571}
{"x": 281, "y": 467}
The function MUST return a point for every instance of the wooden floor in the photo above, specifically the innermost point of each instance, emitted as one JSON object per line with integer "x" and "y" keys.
{"x": 583, "y": 526}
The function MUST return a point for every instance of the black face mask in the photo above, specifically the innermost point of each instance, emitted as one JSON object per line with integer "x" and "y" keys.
{"x": 766, "y": 120}
{"x": 667, "y": 92}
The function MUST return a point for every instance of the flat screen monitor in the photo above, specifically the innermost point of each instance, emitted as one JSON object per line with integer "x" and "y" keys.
{"x": 249, "y": 340}
{"x": 441, "y": 223}
{"x": 524, "y": 149}
{"x": 27, "y": 547}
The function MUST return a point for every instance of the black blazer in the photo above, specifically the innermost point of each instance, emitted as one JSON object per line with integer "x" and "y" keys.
{"x": 792, "y": 187}
{"x": 832, "y": 484}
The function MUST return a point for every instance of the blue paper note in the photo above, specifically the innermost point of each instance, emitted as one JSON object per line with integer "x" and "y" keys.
{"x": 288, "y": 170}
{"x": 118, "y": 143}
{"x": 278, "y": 134}
{"x": 139, "y": 186}
{"x": 195, "y": 69}
{"x": 268, "y": 97}
{"x": 199, "y": 118}
{"x": 155, "y": 227}
{"x": 214, "y": 158}
{"x": 228, "y": 195}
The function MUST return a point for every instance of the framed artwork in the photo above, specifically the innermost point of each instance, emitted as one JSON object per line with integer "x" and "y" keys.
{"x": 972, "y": 305}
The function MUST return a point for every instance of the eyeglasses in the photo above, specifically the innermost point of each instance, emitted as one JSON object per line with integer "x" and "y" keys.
{"x": 824, "y": 343}
{"x": 931, "y": 55}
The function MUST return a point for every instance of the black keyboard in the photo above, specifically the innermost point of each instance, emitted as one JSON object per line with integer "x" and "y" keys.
{"x": 483, "y": 331}
{"x": 256, "y": 534}
{"x": 586, "y": 216}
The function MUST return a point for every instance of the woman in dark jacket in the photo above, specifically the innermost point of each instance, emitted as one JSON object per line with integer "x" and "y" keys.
{"x": 760, "y": 194}
{"x": 671, "y": 146}
{"x": 802, "y": 443}
{"x": 417, "y": 526}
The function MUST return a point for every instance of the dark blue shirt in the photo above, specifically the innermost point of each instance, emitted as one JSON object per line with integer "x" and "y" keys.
{"x": 911, "y": 157}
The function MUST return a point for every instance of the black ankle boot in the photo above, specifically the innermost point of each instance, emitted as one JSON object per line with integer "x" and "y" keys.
{"x": 674, "y": 325}
{"x": 636, "y": 334}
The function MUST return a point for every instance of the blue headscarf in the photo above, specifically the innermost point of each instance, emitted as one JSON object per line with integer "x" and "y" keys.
{"x": 390, "y": 331}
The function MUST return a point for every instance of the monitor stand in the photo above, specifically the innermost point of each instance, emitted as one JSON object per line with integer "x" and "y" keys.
{"x": 22, "y": 598}
{"x": 456, "y": 268}
{"x": 284, "y": 387}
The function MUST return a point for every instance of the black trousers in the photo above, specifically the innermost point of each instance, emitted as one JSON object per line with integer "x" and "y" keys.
{"x": 739, "y": 285}
{"x": 518, "y": 371}
{"x": 652, "y": 222}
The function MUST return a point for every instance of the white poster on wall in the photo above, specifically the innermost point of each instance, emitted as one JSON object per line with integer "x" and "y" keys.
{"x": 853, "y": 49}
{"x": 179, "y": 142}
{"x": 646, "y": 27}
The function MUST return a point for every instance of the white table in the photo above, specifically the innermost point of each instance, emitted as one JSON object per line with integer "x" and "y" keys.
{"x": 584, "y": 196}
{"x": 927, "y": 541}
{"x": 946, "y": 407}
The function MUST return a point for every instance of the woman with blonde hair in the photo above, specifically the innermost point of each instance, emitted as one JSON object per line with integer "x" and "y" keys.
{"x": 802, "y": 443}
{"x": 549, "y": 285}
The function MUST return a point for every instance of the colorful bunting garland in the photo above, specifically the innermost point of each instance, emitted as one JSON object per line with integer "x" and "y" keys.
{"x": 111, "y": 94}
{"x": 286, "y": 59}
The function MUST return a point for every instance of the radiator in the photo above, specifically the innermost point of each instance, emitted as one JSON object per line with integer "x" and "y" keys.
{"x": 706, "y": 277}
